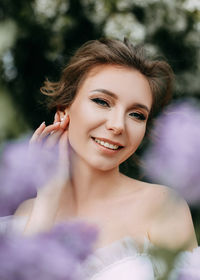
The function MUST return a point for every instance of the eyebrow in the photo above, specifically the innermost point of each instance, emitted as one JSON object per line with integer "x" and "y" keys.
{"x": 110, "y": 93}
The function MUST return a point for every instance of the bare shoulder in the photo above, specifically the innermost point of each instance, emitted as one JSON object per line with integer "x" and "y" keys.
{"x": 25, "y": 208}
{"x": 172, "y": 225}
{"x": 155, "y": 194}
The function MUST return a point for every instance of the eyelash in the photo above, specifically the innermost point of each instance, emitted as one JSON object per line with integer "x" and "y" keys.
{"x": 101, "y": 102}
{"x": 104, "y": 103}
{"x": 139, "y": 116}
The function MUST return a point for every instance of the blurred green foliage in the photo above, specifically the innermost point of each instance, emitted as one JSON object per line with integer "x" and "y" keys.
{"x": 42, "y": 45}
{"x": 38, "y": 36}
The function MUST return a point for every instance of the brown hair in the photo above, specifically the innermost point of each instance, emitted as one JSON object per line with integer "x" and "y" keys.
{"x": 109, "y": 51}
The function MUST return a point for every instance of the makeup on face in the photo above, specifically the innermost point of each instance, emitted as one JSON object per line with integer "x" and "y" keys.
{"x": 105, "y": 95}
{"x": 108, "y": 116}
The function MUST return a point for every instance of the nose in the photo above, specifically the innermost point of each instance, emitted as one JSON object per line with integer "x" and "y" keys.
{"x": 115, "y": 122}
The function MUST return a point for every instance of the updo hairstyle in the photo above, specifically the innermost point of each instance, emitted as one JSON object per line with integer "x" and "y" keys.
{"x": 113, "y": 52}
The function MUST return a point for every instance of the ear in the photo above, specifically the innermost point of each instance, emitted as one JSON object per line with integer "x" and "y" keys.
{"x": 62, "y": 114}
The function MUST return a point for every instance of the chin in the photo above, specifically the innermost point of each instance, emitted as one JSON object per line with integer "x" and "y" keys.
{"x": 104, "y": 166}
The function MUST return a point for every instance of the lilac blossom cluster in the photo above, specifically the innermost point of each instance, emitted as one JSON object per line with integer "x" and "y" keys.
{"x": 22, "y": 171}
{"x": 173, "y": 158}
{"x": 56, "y": 255}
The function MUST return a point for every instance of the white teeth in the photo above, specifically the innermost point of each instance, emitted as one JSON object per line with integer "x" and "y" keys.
{"x": 106, "y": 144}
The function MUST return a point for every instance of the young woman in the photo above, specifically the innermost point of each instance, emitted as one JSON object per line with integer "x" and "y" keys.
{"x": 106, "y": 97}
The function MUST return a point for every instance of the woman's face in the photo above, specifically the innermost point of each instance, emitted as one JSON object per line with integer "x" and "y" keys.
{"x": 108, "y": 116}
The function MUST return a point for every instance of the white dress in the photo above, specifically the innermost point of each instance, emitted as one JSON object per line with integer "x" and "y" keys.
{"x": 120, "y": 260}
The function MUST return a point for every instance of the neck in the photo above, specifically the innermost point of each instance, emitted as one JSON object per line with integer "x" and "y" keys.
{"x": 88, "y": 184}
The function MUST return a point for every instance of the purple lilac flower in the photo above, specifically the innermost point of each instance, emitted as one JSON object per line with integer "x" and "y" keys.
{"x": 173, "y": 157}
{"x": 22, "y": 171}
{"x": 56, "y": 255}
{"x": 186, "y": 276}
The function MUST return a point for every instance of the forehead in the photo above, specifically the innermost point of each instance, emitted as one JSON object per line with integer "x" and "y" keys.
{"x": 126, "y": 83}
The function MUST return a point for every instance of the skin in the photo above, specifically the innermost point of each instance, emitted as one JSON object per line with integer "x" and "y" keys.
{"x": 113, "y": 103}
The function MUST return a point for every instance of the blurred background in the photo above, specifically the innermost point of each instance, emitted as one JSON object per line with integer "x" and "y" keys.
{"x": 37, "y": 37}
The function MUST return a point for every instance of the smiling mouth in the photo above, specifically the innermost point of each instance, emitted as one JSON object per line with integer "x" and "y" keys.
{"x": 106, "y": 144}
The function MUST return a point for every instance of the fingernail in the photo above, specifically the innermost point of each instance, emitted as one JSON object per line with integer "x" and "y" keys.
{"x": 57, "y": 123}
{"x": 43, "y": 123}
{"x": 64, "y": 118}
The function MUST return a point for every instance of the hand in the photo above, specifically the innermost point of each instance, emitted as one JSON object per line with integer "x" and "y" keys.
{"x": 46, "y": 203}
{"x": 50, "y": 135}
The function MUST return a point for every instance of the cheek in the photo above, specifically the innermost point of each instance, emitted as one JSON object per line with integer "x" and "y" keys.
{"x": 84, "y": 117}
{"x": 136, "y": 137}
{"x": 74, "y": 131}
{"x": 77, "y": 134}
{"x": 81, "y": 123}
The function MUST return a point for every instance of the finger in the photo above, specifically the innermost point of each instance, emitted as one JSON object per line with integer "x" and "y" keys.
{"x": 53, "y": 139}
{"x": 48, "y": 130}
{"x": 37, "y": 133}
{"x": 56, "y": 118}
{"x": 65, "y": 122}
